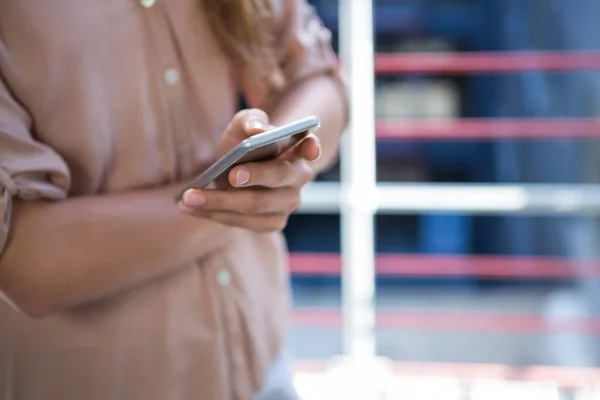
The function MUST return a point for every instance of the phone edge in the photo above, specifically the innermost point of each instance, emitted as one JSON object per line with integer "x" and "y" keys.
{"x": 310, "y": 123}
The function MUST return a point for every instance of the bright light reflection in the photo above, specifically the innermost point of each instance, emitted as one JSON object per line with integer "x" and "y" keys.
{"x": 425, "y": 389}
{"x": 588, "y": 394}
{"x": 337, "y": 386}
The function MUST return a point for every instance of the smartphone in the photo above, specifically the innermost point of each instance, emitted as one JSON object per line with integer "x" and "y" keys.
{"x": 263, "y": 146}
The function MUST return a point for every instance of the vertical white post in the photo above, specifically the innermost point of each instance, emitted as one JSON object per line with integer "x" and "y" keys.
{"x": 358, "y": 175}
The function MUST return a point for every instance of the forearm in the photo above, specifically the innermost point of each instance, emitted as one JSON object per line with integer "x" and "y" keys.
{"x": 317, "y": 96}
{"x": 68, "y": 253}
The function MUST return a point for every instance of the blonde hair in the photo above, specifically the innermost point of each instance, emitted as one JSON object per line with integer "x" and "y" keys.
{"x": 245, "y": 31}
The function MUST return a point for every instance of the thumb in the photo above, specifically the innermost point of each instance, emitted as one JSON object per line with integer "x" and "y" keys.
{"x": 244, "y": 124}
{"x": 254, "y": 121}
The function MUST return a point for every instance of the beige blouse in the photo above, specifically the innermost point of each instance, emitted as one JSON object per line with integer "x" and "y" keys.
{"x": 102, "y": 96}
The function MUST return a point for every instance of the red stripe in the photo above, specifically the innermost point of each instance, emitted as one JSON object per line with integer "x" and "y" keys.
{"x": 490, "y": 128}
{"x": 484, "y": 62}
{"x": 455, "y": 322}
{"x": 564, "y": 377}
{"x": 483, "y": 267}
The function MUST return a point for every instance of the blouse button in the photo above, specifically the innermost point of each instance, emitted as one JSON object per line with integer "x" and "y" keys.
{"x": 171, "y": 76}
{"x": 223, "y": 277}
{"x": 147, "y": 3}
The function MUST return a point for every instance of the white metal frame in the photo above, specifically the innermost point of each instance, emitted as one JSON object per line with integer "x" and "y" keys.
{"x": 407, "y": 198}
{"x": 358, "y": 203}
{"x": 358, "y": 197}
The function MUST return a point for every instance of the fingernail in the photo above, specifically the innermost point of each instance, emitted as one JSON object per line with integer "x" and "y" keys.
{"x": 242, "y": 177}
{"x": 319, "y": 151}
{"x": 193, "y": 198}
{"x": 256, "y": 124}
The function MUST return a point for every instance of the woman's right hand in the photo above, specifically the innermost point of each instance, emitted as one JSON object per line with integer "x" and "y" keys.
{"x": 265, "y": 193}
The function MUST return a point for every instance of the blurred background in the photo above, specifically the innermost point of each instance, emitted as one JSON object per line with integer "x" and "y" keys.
{"x": 472, "y": 304}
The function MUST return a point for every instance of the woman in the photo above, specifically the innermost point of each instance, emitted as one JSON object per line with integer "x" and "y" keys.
{"x": 107, "y": 108}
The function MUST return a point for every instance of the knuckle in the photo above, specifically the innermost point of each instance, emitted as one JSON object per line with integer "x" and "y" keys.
{"x": 240, "y": 115}
{"x": 284, "y": 164}
{"x": 274, "y": 174}
{"x": 307, "y": 174}
{"x": 256, "y": 113}
{"x": 285, "y": 172}
{"x": 214, "y": 201}
{"x": 255, "y": 204}
{"x": 295, "y": 203}
{"x": 221, "y": 200}
{"x": 307, "y": 179}
{"x": 304, "y": 173}
{"x": 236, "y": 120}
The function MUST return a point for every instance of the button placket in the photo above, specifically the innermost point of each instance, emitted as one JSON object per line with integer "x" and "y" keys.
{"x": 175, "y": 92}
{"x": 236, "y": 350}
{"x": 159, "y": 35}
{"x": 172, "y": 77}
{"x": 233, "y": 330}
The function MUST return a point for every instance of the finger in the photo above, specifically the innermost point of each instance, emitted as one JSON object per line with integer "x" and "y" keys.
{"x": 277, "y": 173}
{"x": 253, "y": 121}
{"x": 241, "y": 201}
{"x": 244, "y": 124}
{"x": 260, "y": 223}
{"x": 310, "y": 149}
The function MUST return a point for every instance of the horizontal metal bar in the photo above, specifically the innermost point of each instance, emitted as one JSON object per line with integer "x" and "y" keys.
{"x": 455, "y": 321}
{"x": 533, "y": 199}
{"x": 489, "y": 129}
{"x": 453, "y": 266}
{"x": 485, "y": 62}
{"x": 566, "y": 377}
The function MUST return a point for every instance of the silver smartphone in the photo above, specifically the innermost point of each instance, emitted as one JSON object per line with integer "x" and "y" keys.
{"x": 263, "y": 146}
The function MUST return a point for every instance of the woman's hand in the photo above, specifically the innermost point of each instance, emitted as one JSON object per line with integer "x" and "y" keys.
{"x": 265, "y": 193}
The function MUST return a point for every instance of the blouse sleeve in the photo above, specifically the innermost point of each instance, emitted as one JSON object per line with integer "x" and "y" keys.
{"x": 29, "y": 170}
{"x": 303, "y": 47}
